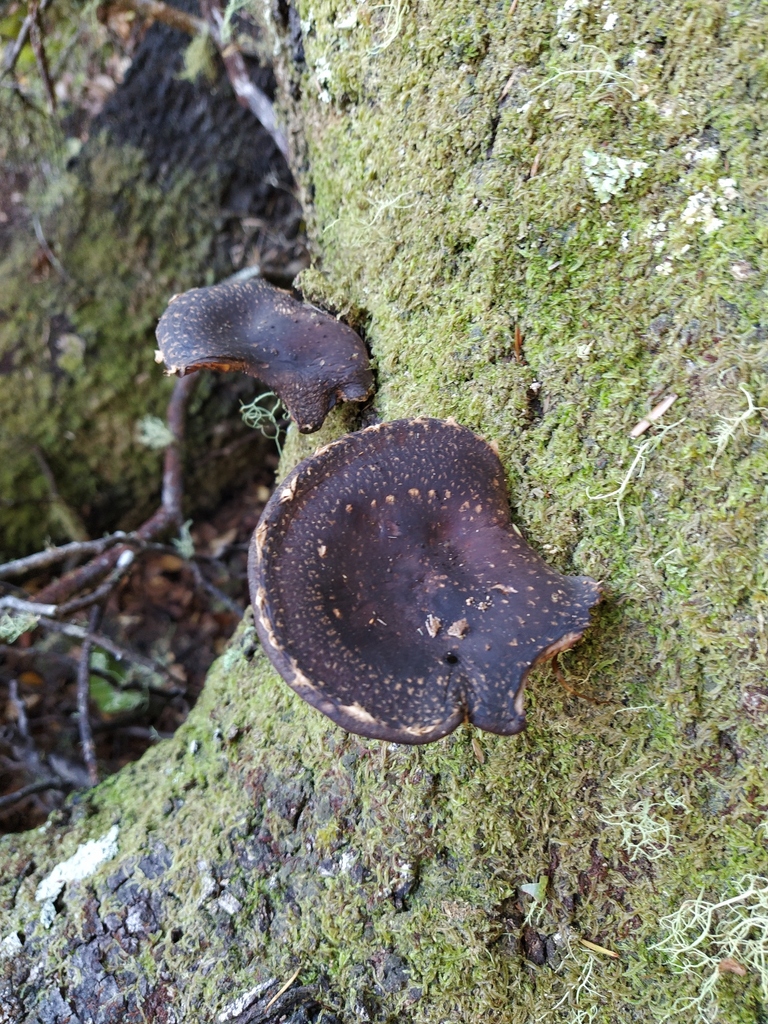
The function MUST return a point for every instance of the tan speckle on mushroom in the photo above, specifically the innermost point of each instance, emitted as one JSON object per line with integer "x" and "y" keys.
{"x": 433, "y": 625}
{"x": 364, "y": 623}
{"x": 459, "y": 629}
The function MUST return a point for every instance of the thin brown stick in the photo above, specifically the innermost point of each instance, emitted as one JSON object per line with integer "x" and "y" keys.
{"x": 213, "y": 591}
{"x": 44, "y": 559}
{"x": 33, "y": 787}
{"x": 21, "y": 39}
{"x": 83, "y": 692}
{"x": 41, "y": 59}
{"x": 124, "y": 565}
{"x": 169, "y": 513}
{"x": 87, "y": 575}
{"x": 248, "y": 95}
{"x": 99, "y": 640}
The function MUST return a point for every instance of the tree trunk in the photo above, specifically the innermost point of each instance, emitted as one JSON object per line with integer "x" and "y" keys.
{"x": 548, "y": 219}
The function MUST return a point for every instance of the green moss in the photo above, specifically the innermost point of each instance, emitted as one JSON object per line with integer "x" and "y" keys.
{"x": 77, "y": 355}
{"x": 438, "y": 239}
{"x": 434, "y": 222}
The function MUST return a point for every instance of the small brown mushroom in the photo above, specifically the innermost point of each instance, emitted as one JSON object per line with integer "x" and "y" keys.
{"x": 426, "y": 608}
{"x": 310, "y": 359}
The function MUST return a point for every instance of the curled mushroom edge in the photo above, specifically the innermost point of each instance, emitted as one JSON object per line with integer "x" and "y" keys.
{"x": 307, "y": 357}
{"x": 392, "y": 592}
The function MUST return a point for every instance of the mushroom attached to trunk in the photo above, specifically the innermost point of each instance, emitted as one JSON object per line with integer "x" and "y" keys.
{"x": 309, "y": 358}
{"x": 391, "y": 591}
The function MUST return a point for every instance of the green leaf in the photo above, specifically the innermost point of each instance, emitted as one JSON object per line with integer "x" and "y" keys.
{"x": 112, "y": 701}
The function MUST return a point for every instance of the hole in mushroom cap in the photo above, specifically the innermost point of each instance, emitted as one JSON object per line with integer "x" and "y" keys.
{"x": 412, "y": 518}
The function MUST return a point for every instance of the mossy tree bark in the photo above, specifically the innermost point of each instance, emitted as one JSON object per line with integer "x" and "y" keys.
{"x": 157, "y": 199}
{"x": 594, "y": 175}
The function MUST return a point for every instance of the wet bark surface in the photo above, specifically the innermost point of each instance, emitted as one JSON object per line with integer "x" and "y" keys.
{"x": 198, "y": 127}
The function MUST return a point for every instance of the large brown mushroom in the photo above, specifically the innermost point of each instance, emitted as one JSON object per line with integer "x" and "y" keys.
{"x": 308, "y": 358}
{"x": 392, "y": 592}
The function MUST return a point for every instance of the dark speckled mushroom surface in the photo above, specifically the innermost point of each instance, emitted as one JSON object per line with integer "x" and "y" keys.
{"x": 310, "y": 359}
{"x": 392, "y": 592}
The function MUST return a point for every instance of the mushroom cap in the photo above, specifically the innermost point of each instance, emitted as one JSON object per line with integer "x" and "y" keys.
{"x": 310, "y": 359}
{"x": 391, "y": 591}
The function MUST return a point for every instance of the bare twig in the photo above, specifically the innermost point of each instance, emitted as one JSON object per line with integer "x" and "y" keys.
{"x": 99, "y": 640}
{"x": 22, "y": 723}
{"x": 21, "y": 39}
{"x": 43, "y": 559}
{"x": 33, "y": 787}
{"x": 213, "y": 591}
{"x": 283, "y": 989}
{"x": 656, "y": 413}
{"x": 36, "y": 39}
{"x": 169, "y": 513}
{"x": 17, "y": 604}
{"x": 50, "y": 255}
{"x": 83, "y": 691}
{"x": 248, "y": 95}
{"x": 124, "y": 565}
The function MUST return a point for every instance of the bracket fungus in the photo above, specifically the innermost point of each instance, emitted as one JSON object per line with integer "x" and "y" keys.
{"x": 310, "y": 359}
{"x": 391, "y": 591}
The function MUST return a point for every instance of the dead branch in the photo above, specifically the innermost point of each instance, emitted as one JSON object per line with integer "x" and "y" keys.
{"x": 248, "y": 95}
{"x": 33, "y": 787}
{"x": 21, "y": 39}
{"x": 38, "y": 48}
{"x": 44, "y": 559}
{"x": 169, "y": 513}
{"x": 124, "y": 565}
{"x": 17, "y": 604}
{"x": 213, "y": 591}
{"x": 99, "y": 640}
{"x": 83, "y": 693}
